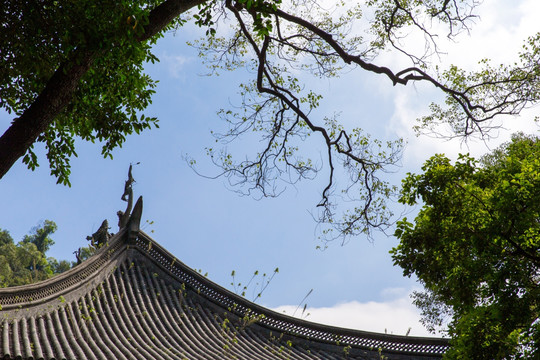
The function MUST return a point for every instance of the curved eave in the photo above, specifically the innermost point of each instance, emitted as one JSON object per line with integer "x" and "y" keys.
{"x": 67, "y": 283}
{"x": 280, "y": 322}
{"x": 133, "y": 299}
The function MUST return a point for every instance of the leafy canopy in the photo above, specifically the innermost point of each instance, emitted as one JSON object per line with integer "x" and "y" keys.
{"x": 40, "y": 236}
{"x": 26, "y": 262}
{"x": 475, "y": 246}
{"x": 40, "y": 37}
{"x": 73, "y": 70}
{"x": 277, "y": 41}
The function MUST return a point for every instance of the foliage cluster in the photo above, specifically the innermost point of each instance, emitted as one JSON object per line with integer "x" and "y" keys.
{"x": 43, "y": 37}
{"x": 259, "y": 284}
{"x": 475, "y": 246}
{"x": 26, "y": 262}
{"x": 72, "y": 71}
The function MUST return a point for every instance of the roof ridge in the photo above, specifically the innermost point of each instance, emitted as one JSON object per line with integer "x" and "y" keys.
{"x": 41, "y": 291}
{"x": 90, "y": 273}
{"x": 281, "y": 322}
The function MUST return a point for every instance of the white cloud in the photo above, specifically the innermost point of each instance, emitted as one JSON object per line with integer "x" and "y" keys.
{"x": 394, "y": 316}
{"x": 498, "y": 35}
{"x": 408, "y": 107}
{"x": 175, "y": 64}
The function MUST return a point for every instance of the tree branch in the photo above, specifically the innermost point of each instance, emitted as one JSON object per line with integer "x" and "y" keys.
{"x": 59, "y": 90}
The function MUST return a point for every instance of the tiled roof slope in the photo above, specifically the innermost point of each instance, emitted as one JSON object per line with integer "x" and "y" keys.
{"x": 134, "y": 300}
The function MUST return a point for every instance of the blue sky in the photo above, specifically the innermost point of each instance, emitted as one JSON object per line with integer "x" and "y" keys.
{"x": 211, "y": 228}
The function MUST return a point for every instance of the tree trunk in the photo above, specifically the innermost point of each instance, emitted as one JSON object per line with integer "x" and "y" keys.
{"x": 24, "y": 130}
{"x": 60, "y": 88}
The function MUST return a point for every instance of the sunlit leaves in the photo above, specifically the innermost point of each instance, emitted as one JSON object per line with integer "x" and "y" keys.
{"x": 257, "y": 284}
{"x": 475, "y": 246}
{"x": 39, "y": 37}
{"x": 204, "y": 18}
{"x": 478, "y": 96}
{"x": 278, "y": 109}
{"x": 393, "y": 19}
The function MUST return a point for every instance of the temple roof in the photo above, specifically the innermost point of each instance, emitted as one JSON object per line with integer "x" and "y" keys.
{"x": 135, "y": 300}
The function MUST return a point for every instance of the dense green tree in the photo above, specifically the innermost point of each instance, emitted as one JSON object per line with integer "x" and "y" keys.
{"x": 75, "y": 70}
{"x": 6, "y": 273}
{"x": 5, "y": 270}
{"x": 57, "y": 267}
{"x": 22, "y": 264}
{"x": 475, "y": 246}
{"x": 40, "y": 236}
{"x": 5, "y": 237}
{"x": 26, "y": 262}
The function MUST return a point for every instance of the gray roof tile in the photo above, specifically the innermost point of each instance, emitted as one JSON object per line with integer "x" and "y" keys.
{"x": 134, "y": 300}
